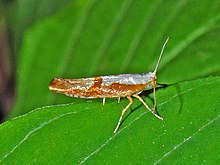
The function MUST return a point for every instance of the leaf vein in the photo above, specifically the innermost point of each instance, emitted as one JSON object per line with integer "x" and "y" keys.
{"x": 125, "y": 127}
{"x": 33, "y": 131}
{"x": 187, "y": 139}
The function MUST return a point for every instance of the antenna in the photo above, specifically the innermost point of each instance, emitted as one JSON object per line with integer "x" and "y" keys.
{"x": 161, "y": 53}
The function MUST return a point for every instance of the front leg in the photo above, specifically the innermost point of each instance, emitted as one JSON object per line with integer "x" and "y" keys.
{"x": 145, "y": 104}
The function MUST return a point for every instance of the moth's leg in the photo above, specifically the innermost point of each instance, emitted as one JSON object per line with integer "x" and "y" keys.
{"x": 145, "y": 104}
{"x": 155, "y": 99}
{"x": 103, "y": 101}
{"x": 123, "y": 111}
{"x": 118, "y": 99}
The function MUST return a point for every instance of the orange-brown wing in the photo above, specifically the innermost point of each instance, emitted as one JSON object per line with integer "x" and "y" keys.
{"x": 71, "y": 87}
{"x": 101, "y": 87}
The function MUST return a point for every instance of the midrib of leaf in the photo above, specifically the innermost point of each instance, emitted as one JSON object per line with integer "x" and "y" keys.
{"x": 110, "y": 35}
{"x": 74, "y": 36}
{"x": 101, "y": 147}
{"x": 176, "y": 51}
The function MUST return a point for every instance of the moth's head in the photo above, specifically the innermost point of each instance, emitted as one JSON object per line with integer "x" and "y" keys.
{"x": 151, "y": 80}
{"x": 152, "y": 84}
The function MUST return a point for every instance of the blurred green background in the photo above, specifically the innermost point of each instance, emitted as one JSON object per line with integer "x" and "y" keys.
{"x": 40, "y": 40}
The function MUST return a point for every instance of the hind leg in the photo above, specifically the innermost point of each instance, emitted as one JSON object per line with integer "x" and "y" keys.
{"x": 123, "y": 111}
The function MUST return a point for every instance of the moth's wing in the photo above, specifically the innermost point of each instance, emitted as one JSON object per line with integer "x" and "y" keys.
{"x": 124, "y": 79}
{"x": 62, "y": 85}
{"x": 81, "y": 82}
{"x": 104, "y": 86}
{"x": 122, "y": 85}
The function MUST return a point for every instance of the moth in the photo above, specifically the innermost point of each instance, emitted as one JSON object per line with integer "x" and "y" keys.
{"x": 112, "y": 86}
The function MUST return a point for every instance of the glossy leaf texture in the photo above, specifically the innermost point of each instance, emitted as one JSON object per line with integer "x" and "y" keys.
{"x": 91, "y": 38}
{"x": 82, "y": 133}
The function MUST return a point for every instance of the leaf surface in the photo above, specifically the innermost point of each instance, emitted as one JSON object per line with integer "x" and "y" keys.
{"x": 91, "y": 38}
{"x": 78, "y": 133}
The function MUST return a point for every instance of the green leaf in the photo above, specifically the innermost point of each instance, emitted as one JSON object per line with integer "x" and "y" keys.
{"x": 90, "y": 38}
{"x": 79, "y": 133}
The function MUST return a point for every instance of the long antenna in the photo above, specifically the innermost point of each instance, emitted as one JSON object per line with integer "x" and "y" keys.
{"x": 161, "y": 53}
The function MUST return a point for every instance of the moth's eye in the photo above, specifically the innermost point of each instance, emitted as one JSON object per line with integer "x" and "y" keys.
{"x": 149, "y": 86}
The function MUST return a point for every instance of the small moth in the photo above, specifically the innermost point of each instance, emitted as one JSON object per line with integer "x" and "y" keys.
{"x": 113, "y": 86}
